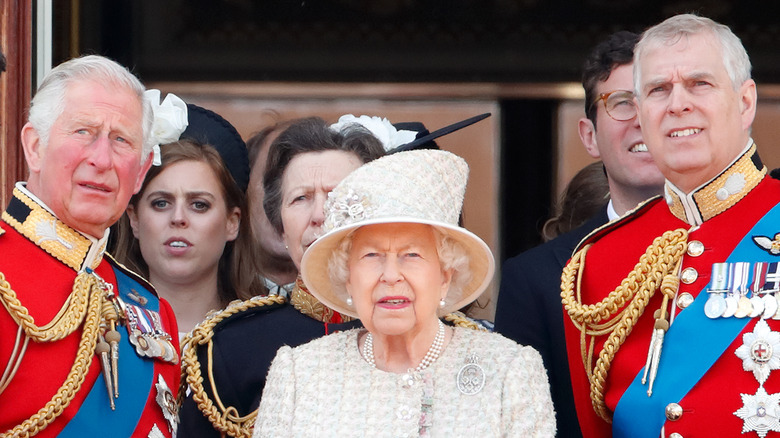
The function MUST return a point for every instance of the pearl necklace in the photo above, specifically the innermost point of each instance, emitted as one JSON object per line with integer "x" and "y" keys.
{"x": 430, "y": 357}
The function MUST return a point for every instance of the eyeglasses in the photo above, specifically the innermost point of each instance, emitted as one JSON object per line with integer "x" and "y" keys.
{"x": 619, "y": 104}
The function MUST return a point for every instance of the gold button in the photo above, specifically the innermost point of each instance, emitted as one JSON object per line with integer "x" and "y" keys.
{"x": 684, "y": 300}
{"x": 695, "y": 248}
{"x": 689, "y": 275}
{"x": 675, "y": 435}
{"x": 673, "y": 412}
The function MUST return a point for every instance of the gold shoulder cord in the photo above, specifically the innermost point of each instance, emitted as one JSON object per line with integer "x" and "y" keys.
{"x": 458, "y": 319}
{"x": 657, "y": 268}
{"x": 224, "y": 419}
{"x": 81, "y": 306}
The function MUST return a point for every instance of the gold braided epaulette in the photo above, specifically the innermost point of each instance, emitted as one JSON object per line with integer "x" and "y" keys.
{"x": 616, "y": 314}
{"x": 225, "y": 419}
{"x": 459, "y": 319}
{"x": 87, "y": 308}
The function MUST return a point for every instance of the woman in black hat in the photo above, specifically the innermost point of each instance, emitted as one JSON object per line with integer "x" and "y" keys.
{"x": 187, "y": 230}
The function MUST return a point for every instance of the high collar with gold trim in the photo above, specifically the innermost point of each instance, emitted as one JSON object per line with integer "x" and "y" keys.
{"x": 720, "y": 193}
{"x": 34, "y": 220}
{"x": 309, "y": 305}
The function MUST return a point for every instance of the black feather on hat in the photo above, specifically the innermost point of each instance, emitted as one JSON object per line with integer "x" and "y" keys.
{"x": 424, "y": 139}
{"x": 207, "y": 127}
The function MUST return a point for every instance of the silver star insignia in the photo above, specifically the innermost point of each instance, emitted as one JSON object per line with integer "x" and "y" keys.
{"x": 760, "y": 351}
{"x": 760, "y": 412}
{"x": 167, "y": 403}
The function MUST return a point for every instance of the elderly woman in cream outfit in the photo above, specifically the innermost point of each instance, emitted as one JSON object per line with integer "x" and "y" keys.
{"x": 394, "y": 256}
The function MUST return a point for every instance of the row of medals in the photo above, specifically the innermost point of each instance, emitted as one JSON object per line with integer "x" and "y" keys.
{"x": 729, "y": 290}
{"x": 728, "y": 297}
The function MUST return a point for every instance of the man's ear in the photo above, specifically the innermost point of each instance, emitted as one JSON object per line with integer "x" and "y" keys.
{"x": 144, "y": 168}
{"x": 33, "y": 147}
{"x": 749, "y": 96}
{"x": 133, "y": 217}
{"x": 588, "y": 136}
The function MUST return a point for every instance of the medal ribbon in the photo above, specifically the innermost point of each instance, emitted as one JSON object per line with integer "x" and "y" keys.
{"x": 773, "y": 277}
{"x": 692, "y": 345}
{"x": 759, "y": 278}
{"x": 741, "y": 278}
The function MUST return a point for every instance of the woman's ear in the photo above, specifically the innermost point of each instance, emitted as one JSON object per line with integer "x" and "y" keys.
{"x": 446, "y": 277}
{"x": 233, "y": 224}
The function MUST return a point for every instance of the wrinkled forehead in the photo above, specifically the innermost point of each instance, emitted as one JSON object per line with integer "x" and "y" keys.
{"x": 681, "y": 40}
{"x": 394, "y": 233}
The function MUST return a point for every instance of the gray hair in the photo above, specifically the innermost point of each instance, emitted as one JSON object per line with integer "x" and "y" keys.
{"x": 49, "y": 101}
{"x": 452, "y": 255}
{"x": 672, "y": 30}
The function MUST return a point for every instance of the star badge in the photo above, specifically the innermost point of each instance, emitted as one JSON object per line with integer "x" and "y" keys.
{"x": 760, "y": 351}
{"x": 760, "y": 412}
{"x": 167, "y": 403}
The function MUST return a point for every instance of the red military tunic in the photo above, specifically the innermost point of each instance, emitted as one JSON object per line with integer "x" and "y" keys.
{"x": 40, "y": 258}
{"x": 715, "y": 227}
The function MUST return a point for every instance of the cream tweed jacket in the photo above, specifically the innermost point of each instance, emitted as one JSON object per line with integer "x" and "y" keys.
{"x": 324, "y": 388}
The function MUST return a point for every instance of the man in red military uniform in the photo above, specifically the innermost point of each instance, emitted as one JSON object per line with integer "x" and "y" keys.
{"x": 673, "y": 325}
{"x": 85, "y": 344}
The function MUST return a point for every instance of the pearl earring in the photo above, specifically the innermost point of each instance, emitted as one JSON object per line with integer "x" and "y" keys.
{"x": 442, "y": 303}
{"x": 349, "y": 301}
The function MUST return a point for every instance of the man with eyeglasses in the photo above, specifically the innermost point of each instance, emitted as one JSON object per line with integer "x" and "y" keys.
{"x": 673, "y": 321}
{"x": 529, "y": 305}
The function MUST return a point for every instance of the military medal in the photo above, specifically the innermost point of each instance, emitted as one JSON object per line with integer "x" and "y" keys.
{"x": 740, "y": 276}
{"x": 756, "y": 300}
{"x": 760, "y": 351}
{"x": 167, "y": 403}
{"x": 770, "y": 306}
{"x": 148, "y": 335}
{"x": 471, "y": 377}
{"x": 716, "y": 304}
{"x": 768, "y": 302}
{"x": 760, "y": 412}
{"x": 772, "y": 285}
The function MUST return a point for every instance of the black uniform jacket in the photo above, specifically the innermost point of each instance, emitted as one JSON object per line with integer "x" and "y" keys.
{"x": 529, "y": 311}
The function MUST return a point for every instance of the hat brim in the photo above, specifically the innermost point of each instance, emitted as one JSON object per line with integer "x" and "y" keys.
{"x": 314, "y": 265}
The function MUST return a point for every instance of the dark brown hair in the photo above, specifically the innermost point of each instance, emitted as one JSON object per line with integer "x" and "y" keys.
{"x": 611, "y": 53}
{"x": 310, "y": 134}
{"x": 585, "y": 195}
{"x": 237, "y": 274}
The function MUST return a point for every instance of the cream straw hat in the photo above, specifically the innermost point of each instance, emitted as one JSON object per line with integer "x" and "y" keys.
{"x": 420, "y": 186}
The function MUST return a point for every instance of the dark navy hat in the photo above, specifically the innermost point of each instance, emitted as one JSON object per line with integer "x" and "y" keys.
{"x": 425, "y": 139}
{"x": 207, "y": 127}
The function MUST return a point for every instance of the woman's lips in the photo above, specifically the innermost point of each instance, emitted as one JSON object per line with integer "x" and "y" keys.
{"x": 177, "y": 245}
{"x": 393, "y": 302}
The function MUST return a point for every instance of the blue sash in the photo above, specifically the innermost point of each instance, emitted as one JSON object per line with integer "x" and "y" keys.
{"x": 691, "y": 346}
{"x": 136, "y": 380}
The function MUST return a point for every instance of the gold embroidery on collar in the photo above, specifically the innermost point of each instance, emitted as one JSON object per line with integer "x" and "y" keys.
{"x": 707, "y": 199}
{"x": 52, "y": 235}
{"x": 306, "y": 303}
